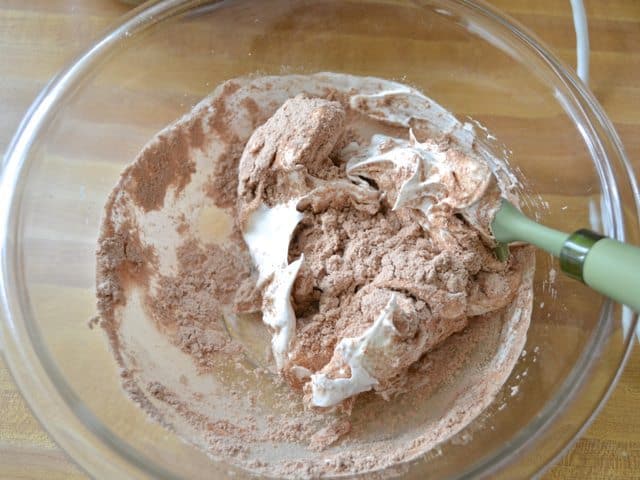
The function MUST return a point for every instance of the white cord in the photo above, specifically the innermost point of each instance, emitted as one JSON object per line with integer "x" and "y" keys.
{"x": 582, "y": 39}
{"x": 582, "y": 67}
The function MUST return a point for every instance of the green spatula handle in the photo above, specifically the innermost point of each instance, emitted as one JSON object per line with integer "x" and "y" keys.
{"x": 606, "y": 265}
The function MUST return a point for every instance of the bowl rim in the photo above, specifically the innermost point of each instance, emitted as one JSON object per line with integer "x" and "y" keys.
{"x": 31, "y": 378}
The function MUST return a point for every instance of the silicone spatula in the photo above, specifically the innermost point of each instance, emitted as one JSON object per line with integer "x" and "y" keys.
{"x": 606, "y": 265}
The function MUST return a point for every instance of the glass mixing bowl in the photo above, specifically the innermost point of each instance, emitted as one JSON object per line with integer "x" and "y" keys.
{"x": 95, "y": 116}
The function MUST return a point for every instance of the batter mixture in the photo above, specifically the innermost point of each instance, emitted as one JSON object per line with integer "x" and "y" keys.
{"x": 299, "y": 277}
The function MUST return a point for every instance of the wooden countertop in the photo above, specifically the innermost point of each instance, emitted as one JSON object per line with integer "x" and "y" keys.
{"x": 37, "y": 37}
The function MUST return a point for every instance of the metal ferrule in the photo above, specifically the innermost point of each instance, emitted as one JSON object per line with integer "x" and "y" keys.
{"x": 574, "y": 252}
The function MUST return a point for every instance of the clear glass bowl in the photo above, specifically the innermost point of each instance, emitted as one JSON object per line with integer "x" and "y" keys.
{"x": 95, "y": 116}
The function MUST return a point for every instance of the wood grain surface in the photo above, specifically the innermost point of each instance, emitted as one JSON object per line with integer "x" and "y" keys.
{"x": 37, "y": 37}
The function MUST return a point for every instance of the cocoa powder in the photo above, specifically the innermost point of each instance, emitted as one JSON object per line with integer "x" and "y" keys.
{"x": 162, "y": 165}
{"x": 357, "y": 250}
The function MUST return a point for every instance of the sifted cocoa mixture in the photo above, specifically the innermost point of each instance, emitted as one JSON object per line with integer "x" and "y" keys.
{"x": 358, "y": 251}
{"x": 174, "y": 266}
